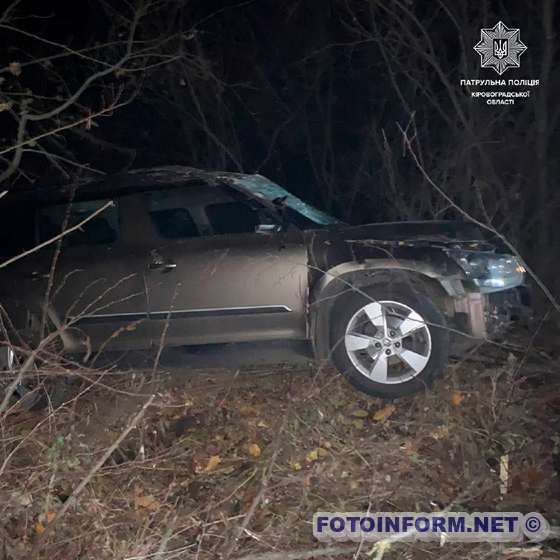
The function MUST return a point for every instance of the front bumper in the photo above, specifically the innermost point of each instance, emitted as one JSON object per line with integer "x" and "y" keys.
{"x": 489, "y": 315}
{"x": 506, "y": 307}
{"x": 486, "y": 316}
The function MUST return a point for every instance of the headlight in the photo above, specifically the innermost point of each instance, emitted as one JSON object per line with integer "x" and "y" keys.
{"x": 489, "y": 271}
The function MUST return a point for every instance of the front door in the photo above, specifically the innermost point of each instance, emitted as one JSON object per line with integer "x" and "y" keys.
{"x": 211, "y": 277}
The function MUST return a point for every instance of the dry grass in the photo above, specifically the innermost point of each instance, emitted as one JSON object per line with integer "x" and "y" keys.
{"x": 225, "y": 465}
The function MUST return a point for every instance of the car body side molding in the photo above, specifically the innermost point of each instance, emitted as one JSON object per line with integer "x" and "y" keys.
{"x": 182, "y": 313}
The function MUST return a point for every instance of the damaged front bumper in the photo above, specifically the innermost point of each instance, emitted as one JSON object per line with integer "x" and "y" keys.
{"x": 488, "y": 315}
{"x": 506, "y": 307}
{"x": 493, "y": 291}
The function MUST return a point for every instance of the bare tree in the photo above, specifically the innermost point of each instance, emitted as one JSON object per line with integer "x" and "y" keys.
{"x": 41, "y": 109}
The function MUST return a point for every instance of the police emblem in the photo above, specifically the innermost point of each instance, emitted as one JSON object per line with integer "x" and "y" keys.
{"x": 499, "y": 48}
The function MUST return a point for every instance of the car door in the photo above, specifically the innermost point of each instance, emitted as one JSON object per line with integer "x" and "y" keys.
{"x": 213, "y": 278}
{"x": 98, "y": 284}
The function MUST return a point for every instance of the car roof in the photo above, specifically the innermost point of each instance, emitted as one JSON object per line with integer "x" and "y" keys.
{"x": 164, "y": 177}
{"x": 152, "y": 178}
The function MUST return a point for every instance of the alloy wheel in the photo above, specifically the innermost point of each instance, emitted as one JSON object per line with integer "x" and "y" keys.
{"x": 388, "y": 342}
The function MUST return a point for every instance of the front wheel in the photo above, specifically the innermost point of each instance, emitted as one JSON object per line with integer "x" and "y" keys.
{"x": 389, "y": 341}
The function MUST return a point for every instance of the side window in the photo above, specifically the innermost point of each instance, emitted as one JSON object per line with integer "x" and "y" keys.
{"x": 103, "y": 229}
{"x": 170, "y": 216}
{"x": 232, "y": 217}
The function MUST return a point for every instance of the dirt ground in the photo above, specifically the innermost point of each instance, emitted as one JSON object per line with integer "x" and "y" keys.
{"x": 230, "y": 464}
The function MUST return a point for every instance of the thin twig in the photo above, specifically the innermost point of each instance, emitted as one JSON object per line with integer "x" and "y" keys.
{"x": 56, "y": 237}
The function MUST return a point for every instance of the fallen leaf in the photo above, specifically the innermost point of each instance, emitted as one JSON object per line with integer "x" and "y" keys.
{"x": 254, "y": 450}
{"x": 440, "y": 432}
{"x": 44, "y": 519}
{"x": 360, "y": 413}
{"x": 312, "y": 456}
{"x": 213, "y": 463}
{"x": 248, "y": 410}
{"x": 358, "y": 423}
{"x": 457, "y": 398}
{"x": 315, "y": 454}
{"x": 383, "y": 413}
{"x": 5, "y": 106}
{"x": 147, "y": 502}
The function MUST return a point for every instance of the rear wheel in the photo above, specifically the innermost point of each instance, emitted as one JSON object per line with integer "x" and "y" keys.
{"x": 31, "y": 393}
{"x": 389, "y": 341}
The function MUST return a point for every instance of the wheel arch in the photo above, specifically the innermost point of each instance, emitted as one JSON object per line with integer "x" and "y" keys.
{"x": 356, "y": 276}
{"x": 25, "y": 317}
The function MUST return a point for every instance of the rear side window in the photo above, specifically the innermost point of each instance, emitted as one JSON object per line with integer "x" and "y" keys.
{"x": 232, "y": 217}
{"x": 170, "y": 216}
{"x": 103, "y": 229}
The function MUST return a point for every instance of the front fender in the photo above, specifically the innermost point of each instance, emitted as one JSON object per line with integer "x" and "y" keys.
{"x": 357, "y": 275}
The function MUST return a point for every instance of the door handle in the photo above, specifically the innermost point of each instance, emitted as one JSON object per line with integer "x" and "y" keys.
{"x": 167, "y": 266}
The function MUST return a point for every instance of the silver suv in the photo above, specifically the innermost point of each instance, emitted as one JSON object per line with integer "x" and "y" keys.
{"x": 221, "y": 257}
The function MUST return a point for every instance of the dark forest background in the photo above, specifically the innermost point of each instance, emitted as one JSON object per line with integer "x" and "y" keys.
{"x": 314, "y": 94}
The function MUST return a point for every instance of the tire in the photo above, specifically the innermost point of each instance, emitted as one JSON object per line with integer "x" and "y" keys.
{"x": 400, "y": 319}
{"x": 32, "y": 395}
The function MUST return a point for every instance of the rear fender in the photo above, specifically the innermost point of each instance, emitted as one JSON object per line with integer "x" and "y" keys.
{"x": 25, "y": 318}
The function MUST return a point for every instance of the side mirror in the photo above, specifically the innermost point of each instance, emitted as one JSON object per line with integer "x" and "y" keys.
{"x": 268, "y": 229}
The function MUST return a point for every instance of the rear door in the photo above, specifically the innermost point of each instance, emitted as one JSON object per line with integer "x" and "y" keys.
{"x": 212, "y": 278}
{"x": 98, "y": 284}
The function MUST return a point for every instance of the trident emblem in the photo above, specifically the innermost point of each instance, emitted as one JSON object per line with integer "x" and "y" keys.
{"x": 500, "y": 48}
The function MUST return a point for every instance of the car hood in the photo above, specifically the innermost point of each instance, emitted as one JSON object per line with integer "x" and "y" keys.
{"x": 435, "y": 232}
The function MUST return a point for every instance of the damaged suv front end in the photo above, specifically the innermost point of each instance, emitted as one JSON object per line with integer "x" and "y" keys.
{"x": 501, "y": 282}
{"x": 486, "y": 288}
{"x": 387, "y": 303}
